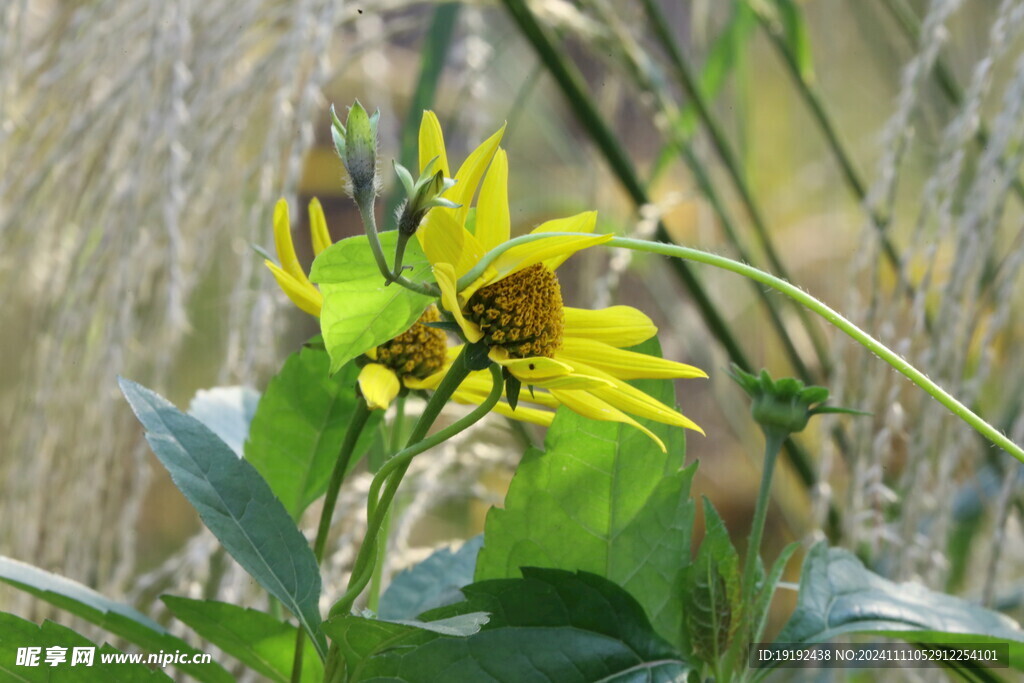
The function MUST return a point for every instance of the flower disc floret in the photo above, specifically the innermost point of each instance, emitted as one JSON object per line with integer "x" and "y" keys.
{"x": 521, "y": 314}
{"x": 419, "y": 351}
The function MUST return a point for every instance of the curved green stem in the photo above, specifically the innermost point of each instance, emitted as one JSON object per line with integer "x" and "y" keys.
{"x": 390, "y": 475}
{"x": 365, "y": 202}
{"x": 800, "y": 296}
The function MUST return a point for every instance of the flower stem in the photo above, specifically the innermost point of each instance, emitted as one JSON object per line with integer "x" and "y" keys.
{"x": 390, "y": 475}
{"x": 772, "y": 445}
{"x": 365, "y": 202}
{"x": 800, "y": 296}
{"x": 355, "y": 428}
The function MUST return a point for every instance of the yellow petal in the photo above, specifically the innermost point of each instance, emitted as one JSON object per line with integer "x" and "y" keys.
{"x": 581, "y": 222}
{"x": 556, "y": 249}
{"x": 525, "y": 413}
{"x": 618, "y": 325}
{"x": 379, "y": 385}
{"x": 283, "y": 242}
{"x": 302, "y": 293}
{"x": 590, "y": 406}
{"x": 530, "y": 370}
{"x": 318, "y": 227}
{"x": 631, "y": 400}
{"x": 623, "y": 364}
{"x": 470, "y": 174}
{"x": 446, "y": 281}
{"x": 492, "y": 214}
{"x": 479, "y": 384}
{"x": 446, "y": 241}
{"x": 432, "y": 143}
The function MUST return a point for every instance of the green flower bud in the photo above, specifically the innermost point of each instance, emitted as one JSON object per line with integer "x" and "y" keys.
{"x": 421, "y": 195}
{"x": 785, "y": 406}
{"x": 356, "y": 143}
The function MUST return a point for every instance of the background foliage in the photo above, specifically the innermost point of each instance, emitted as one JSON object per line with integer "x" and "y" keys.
{"x": 870, "y": 151}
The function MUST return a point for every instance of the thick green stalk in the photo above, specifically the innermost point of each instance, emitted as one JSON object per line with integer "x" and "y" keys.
{"x": 801, "y": 297}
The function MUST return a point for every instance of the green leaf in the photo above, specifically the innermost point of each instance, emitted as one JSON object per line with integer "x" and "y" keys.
{"x": 236, "y": 504}
{"x": 838, "y": 595}
{"x": 602, "y": 498}
{"x": 18, "y": 633}
{"x": 434, "y": 582}
{"x": 227, "y": 411}
{"x": 551, "y": 625}
{"x": 711, "y": 591}
{"x": 117, "y": 618}
{"x": 300, "y": 424}
{"x": 359, "y": 311}
{"x": 257, "y": 639}
{"x": 794, "y": 26}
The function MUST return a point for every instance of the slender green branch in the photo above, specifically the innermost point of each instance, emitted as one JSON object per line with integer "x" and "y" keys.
{"x": 365, "y": 202}
{"x": 348, "y": 446}
{"x": 801, "y": 297}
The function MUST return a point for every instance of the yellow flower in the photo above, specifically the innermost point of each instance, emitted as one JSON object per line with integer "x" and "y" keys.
{"x": 416, "y": 359}
{"x": 515, "y": 305}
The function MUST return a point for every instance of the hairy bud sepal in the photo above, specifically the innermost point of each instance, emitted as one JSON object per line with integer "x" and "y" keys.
{"x": 356, "y": 144}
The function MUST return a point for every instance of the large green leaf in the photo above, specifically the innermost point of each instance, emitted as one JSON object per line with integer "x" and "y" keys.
{"x": 257, "y": 639}
{"x": 359, "y": 311}
{"x": 551, "y": 625}
{"x": 838, "y": 595}
{"x": 299, "y": 426}
{"x": 432, "y": 583}
{"x": 236, "y": 504}
{"x": 17, "y": 633}
{"x": 115, "y": 617}
{"x": 602, "y": 498}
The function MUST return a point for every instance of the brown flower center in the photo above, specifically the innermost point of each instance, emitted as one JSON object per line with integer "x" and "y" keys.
{"x": 419, "y": 351}
{"x": 521, "y": 313}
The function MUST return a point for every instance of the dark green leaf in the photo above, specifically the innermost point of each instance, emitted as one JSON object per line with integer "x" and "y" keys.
{"x": 434, "y": 582}
{"x": 838, "y": 595}
{"x": 17, "y": 633}
{"x": 711, "y": 591}
{"x": 117, "y": 618}
{"x": 605, "y": 499}
{"x": 359, "y": 311}
{"x": 236, "y": 504}
{"x": 257, "y": 639}
{"x": 227, "y": 411}
{"x": 300, "y": 424}
{"x": 551, "y": 625}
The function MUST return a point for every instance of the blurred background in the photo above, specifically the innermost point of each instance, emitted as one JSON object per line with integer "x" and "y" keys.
{"x": 867, "y": 150}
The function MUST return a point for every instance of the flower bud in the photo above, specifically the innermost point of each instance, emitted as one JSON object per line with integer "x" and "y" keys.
{"x": 356, "y": 143}
{"x": 422, "y": 195}
{"x": 784, "y": 407}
